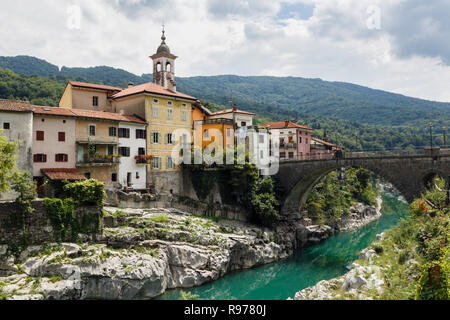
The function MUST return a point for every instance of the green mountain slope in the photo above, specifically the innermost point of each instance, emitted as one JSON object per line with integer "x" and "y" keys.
{"x": 354, "y": 116}
{"x": 269, "y": 96}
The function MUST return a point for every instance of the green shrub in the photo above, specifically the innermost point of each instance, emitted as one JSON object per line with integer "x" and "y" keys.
{"x": 91, "y": 192}
{"x": 378, "y": 249}
{"x": 433, "y": 282}
{"x": 162, "y": 218}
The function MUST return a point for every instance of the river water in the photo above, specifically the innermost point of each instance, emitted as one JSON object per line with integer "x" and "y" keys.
{"x": 305, "y": 268}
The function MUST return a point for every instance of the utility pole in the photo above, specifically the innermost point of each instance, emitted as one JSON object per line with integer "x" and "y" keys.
{"x": 448, "y": 191}
{"x": 431, "y": 135}
{"x": 445, "y": 137}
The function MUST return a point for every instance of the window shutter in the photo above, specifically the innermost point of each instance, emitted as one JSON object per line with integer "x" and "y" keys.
{"x": 35, "y": 158}
{"x": 40, "y": 135}
{"x": 44, "y": 158}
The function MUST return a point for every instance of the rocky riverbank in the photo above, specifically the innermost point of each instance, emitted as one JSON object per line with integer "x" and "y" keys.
{"x": 141, "y": 254}
{"x": 309, "y": 233}
{"x": 144, "y": 252}
{"x": 367, "y": 278}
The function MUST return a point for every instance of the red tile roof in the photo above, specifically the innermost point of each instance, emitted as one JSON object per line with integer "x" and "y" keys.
{"x": 320, "y": 141}
{"x": 81, "y": 113}
{"x": 231, "y": 111}
{"x": 151, "y": 87}
{"x": 106, "y": 116}
{"x": 53, "y": 111}
{"x": 15, "y": 106}
{"x": 282, "y": 125}
{"x": 63, "y": 174}
{"x": 94, "y": 86}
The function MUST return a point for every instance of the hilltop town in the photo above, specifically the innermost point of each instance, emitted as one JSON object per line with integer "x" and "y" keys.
{"x": 125, "y": 137}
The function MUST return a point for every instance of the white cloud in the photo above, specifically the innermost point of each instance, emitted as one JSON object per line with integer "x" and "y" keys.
{"x": 327, "y": 39}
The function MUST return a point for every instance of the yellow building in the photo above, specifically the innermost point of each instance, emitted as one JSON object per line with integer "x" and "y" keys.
{"x": 165, "y": 110}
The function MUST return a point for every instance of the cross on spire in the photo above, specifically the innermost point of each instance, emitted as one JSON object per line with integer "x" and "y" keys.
{"x": 163, "y": 38}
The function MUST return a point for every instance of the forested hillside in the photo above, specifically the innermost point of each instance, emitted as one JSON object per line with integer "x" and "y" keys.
{"x": 355, "y": 116}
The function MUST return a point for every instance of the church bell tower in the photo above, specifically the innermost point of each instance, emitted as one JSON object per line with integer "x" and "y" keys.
{"x": 164, "y": 66}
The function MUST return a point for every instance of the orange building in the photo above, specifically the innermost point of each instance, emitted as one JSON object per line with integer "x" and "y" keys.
{"x": 210, "y": 132}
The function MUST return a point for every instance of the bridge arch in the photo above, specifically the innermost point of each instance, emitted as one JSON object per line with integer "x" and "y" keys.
{"x": 407, "y": 174}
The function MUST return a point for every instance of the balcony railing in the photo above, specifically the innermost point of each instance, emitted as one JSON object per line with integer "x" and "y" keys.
{"x": 143, "y": 159}
{"x": 107, "y": 160}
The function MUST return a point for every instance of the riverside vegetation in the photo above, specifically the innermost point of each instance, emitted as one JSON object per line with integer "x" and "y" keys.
{"x": 411, "y": 261}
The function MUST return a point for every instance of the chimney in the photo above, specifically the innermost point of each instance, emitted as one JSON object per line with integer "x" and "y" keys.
{"x": 234, "y": 108}
{"x": 130, "y": 84}
{"x": 286, "y": 123}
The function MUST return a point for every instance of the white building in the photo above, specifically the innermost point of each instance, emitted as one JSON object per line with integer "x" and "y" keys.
{"x": 239, "y": 117}
{"x": 16, "y": 123}
{"x": 133, "y": 149}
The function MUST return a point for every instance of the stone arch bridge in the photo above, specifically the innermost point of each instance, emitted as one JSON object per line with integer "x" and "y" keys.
{"x": 408, "y": 174}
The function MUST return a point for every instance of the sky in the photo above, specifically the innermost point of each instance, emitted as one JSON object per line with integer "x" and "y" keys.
{"x": 400, "y": 46}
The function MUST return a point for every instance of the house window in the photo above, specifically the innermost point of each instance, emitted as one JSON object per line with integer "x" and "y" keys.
{"x": 291, "y": 155}
{"x": 95, "y": 101}
{"x": 137, "y": 175}
{"x": 61, "y": 157}
{"x": 61, "y": 136}
{"x": 110, "y": 150}
{"x": 40, "y": 158}
{"x": 124, "y": 133}
{"x": 114, "y": 177}
{"x": 155, "y": 112}
{"x": 169, "y": 138}
{"x": 40, "y": 135}
{"x": 282, "y": 155}
{"x": 6, "y": 125}
{"x": 169, "y": 163}
{"x": 261, "y": 154}
{"x": 140, "y": 134}
{"x": 261, "y": 138}
{"x": 92, "y": 130}
{"x": 169, "y": 114}
{"x": 184, "y": 105}
{"x": 156, "y": 163}
{"x": 124, "y": 151}
{"x": 243, "y": 124}
{"x": 87, "y": 175}
{"x": 184, "y": 115}
{"x": 169, "y": 103}
{"x": 141, "y": 151}
{"x": 306, "y": 141}
{"x": 112, "y": 131}
{"x": 155, "y": 137}
{"x": 300, "y": 140}
{"x": 155, "y": 101}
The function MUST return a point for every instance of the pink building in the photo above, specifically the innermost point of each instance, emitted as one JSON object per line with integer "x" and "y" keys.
{"x": 53, "y": 140}
{"x": 295, "y": 139}
{"x": 322, "y": 149}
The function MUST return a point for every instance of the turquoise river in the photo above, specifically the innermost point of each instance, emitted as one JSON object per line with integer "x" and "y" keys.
{"x": 305, "y": 268}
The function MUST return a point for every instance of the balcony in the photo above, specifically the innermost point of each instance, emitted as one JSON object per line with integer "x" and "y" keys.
{"x": 214, "y": 121}
{"x": 98, "y": 160}
{"x": 143, "y": 159}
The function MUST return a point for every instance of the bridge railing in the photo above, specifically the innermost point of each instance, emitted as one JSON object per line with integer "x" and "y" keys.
{"x": 373, "y": 153}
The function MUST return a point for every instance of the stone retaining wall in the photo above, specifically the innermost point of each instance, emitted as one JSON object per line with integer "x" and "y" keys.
{"x": 37, "y": 228}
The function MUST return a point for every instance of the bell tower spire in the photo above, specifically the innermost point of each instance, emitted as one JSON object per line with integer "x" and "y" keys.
{"x": 164, "y": 65}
